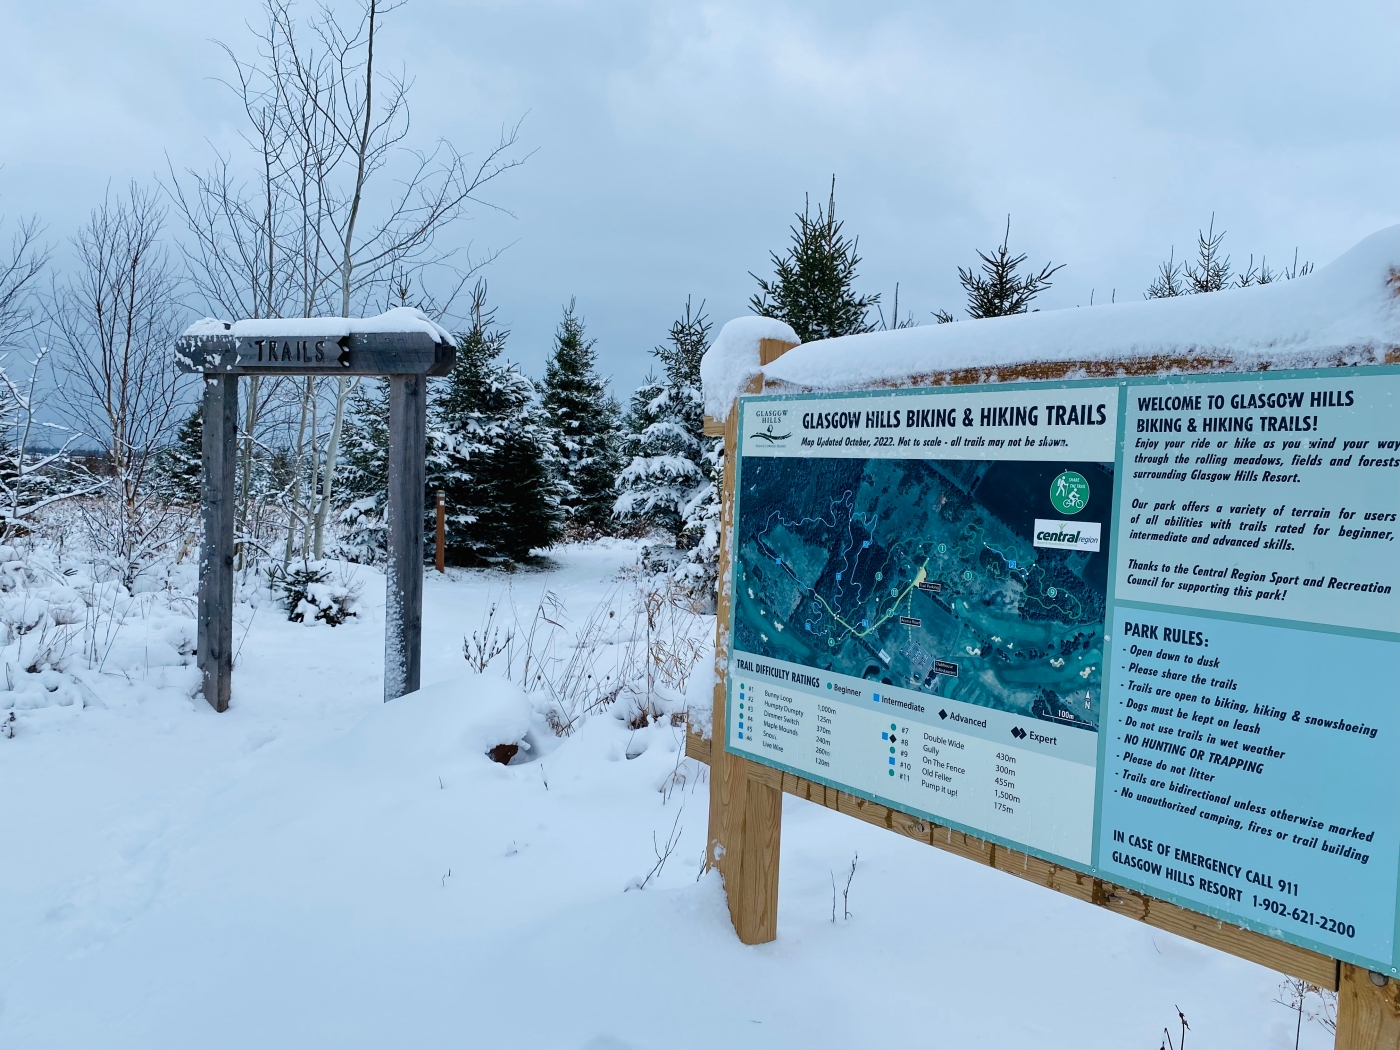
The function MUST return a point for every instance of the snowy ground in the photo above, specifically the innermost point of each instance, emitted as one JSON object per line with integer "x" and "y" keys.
{"x": 315, "y": 868}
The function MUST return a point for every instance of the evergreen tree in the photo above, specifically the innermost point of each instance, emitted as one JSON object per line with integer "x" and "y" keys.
{"x": 700, "y": 570}
{"x": 666, "y": 481}
{"x": 1168, "y": 283}
{"x": 583, "y": 423}
{"x": 811, "y": 286}
{"x": 489, "y": 453}
{"x": 1211, "y": 271}
{"x": 1000, "y": 289}
{"x": 180, "y": 466}
{"x": 364, "y": 472}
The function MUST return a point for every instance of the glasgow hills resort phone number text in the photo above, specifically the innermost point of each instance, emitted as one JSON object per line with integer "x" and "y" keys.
{"x": 1191, "y": 880}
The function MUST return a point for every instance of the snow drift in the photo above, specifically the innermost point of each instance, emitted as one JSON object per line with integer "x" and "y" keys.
{"x": 399, "y": 319}
{"x": 732, "y": 360}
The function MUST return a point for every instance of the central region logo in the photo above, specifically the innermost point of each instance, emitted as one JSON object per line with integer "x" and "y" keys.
{"x": 1069, "y": 493}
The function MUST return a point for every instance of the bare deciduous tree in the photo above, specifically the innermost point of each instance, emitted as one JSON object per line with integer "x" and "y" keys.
{"x": 19, "y": 273}
{"x": 115, "y": 318}
{"x": 342, "y": 215}
{"x": 32, "y": 481}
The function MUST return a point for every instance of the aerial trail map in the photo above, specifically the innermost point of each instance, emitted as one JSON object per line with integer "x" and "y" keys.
{"x": 925, "y": 574}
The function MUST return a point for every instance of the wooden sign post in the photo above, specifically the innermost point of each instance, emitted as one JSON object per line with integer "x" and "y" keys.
{"x": 745, "y": 821}
{"x": 339, "y": 347}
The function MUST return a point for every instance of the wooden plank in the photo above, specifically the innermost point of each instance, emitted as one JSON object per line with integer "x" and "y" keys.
{"x": 403, "y": 612}
{"x": 1321, "y": 970}
{"x": 214, "y": 629}
{"x": 769, "y": 350}
{"x": 754, "y": 893}
{"x": 727, "y": 781}
{"x": 745, "y": 816}
{"x": 376, "y": 354}
{"x": 1368, "y": 1010}
{"x": 697, "y": 746}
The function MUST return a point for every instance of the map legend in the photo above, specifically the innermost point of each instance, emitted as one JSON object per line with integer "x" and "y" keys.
{"x": 976, "y": 768}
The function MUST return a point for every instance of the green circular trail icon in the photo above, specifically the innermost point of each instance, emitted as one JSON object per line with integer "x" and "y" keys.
{"x": 1069, "y": 493}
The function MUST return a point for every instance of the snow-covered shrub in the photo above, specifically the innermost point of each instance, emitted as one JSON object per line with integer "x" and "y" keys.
{"x": 633, "y": 655}
{"x": 672, "y": 639}
{"x": 312, "y": 593}
{"x": 131, "y": 539}
{"x": 69, "y": 625}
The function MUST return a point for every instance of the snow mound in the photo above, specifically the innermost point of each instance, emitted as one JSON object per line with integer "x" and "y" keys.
{"x": 399, "y": 319}
{"x": 454, "y": 722}
{"x": 1347, "y": 312}
{"x": 732, "y": 360}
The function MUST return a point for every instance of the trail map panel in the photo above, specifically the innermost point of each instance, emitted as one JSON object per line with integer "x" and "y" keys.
{"x": 920, "y": 593}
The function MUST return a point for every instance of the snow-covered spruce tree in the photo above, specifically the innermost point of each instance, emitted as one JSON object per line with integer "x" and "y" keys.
{"x": 700, "y": 570}
{"x": 1000, "y": 289}
{"x": 666, "y": 478}
{"x": 490, "y": 452}
{"x": 583, "y": 422}
{"x": 811, "y": 286}
{"x": 179, "y": 466}
{"x": 1211, "y": 271}
{"x": 364, "y": 473}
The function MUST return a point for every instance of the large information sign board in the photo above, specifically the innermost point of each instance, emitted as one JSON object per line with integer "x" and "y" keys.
{"x": 1146, "y": 629}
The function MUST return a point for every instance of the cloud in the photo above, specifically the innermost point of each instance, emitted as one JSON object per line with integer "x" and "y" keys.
{"x": 675, "y": 140}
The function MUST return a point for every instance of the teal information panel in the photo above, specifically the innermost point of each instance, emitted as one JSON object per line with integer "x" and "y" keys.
{"x": 1148, "y": 629}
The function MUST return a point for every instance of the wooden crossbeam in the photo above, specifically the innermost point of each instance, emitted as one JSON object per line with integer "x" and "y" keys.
{"x": 1320, "y": 970}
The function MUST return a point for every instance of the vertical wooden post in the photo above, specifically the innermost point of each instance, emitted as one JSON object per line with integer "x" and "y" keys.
{"x": 403, "y": 608}
{"x": 746, "y": 816}
{"x": 440, "y": 558}
{"x": 1368, "y": 1010}
{"x": 214, "y": 641}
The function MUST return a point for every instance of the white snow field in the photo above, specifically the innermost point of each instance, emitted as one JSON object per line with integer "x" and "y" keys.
{"x": 315, "y": 868}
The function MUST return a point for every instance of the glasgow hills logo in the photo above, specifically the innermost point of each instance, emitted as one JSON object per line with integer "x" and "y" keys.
{"x": 771, "y": 420}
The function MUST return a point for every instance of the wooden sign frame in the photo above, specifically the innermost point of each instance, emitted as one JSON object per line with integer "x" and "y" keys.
{"x": 405, "y": 360}
{"x": 745, "y": 819}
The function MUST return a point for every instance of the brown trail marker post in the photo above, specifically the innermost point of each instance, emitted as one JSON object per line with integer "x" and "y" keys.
{"x": 404, "y": 356}
{"x": 440, "y": 557}
{"x": 745, "y": 796}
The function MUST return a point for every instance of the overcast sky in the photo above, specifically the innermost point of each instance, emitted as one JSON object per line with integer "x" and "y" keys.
{"x": 674, "y": 141}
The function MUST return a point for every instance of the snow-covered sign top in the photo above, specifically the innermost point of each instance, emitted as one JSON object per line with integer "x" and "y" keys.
{"x": 399, "y": 319}
{"x": 732, "y": 360}
{"x": 1347, "y": 312}
{"x": 402, "y": 341}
